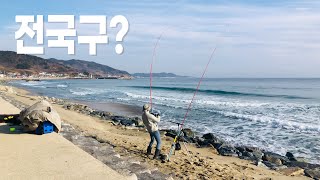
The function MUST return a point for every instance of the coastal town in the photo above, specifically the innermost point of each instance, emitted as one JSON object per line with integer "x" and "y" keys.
{"x": 47, "y": 75}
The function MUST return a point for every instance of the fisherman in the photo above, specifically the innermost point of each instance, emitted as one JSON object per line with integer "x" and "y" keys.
{"x": 151, "y": 122}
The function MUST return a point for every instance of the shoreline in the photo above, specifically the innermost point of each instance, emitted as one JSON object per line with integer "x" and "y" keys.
{"x": 131, "y": 111}
{"x": 210, "y": 145}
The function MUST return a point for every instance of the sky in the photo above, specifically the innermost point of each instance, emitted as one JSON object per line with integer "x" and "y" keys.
{"x": 253, "y": 38}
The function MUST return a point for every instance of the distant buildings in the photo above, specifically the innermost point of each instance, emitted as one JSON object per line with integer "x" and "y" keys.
{"x": 47, "y": 75}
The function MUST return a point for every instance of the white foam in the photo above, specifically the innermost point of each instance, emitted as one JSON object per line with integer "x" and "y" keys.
{"x": 282, "y": 123}
{"x": 62, "y": 85}
{"x": 86, "y": 91}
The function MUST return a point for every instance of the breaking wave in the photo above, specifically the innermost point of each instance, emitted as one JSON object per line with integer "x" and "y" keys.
{"x": 218, "y": 92}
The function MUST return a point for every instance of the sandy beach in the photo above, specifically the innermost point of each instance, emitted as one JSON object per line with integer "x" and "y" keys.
{"x": 202, "y": 163}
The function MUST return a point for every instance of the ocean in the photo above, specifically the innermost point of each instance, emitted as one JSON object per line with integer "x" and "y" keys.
{"x": 278, "y": 115}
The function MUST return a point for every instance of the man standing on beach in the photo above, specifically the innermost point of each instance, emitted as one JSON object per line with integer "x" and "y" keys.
{"x": 151, "y": 122}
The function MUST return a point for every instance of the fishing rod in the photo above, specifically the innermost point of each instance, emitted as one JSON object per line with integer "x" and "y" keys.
{"x": 190, "y": 104}
{"x": 189, "y": 107}
{"x": 151, "y": 67}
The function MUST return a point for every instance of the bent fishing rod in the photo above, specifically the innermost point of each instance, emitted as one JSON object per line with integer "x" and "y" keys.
{"x": 189, "y": 107}
{"x": 190, "y": 104}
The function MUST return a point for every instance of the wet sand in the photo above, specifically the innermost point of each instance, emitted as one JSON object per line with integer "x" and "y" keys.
{"x": 116, "y": 108}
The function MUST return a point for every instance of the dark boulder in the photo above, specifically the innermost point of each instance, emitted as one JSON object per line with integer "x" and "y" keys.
{"x": 257, "y": 154}
{"x": 302, "y": 165}
{"x": 117, "y": 118}
{"x": 201, "y": 142}
{"x": 250, "y": 153}
{"x": 252, "y": 149}
{"x": 247, "y": 155}
{"x": 138, "y": 122}
{"x": 313, "y": 173}
{"x": 127, "y": 122}
{"x": 208, "y": 136}
{"x": 290, "y": 156}
{"x": 213, "y": 140}
{"x": 188, "y": 133}
{"x": 275, "y": 158}
{"x": 227, "y": 150}
{"x": 171, "y": 133}
{"x": 273, "y": 166}
{"x": 187, "y": 139}
{"x": 241, "y": 149}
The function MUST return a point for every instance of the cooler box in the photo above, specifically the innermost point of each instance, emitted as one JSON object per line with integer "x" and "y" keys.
{"x": 45, "y": 128}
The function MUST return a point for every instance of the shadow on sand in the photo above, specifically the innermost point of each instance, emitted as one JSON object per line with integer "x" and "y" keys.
{"x": 10, "y": 124}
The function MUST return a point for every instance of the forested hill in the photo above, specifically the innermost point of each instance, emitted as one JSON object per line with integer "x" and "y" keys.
{"x": 27, "y": 64}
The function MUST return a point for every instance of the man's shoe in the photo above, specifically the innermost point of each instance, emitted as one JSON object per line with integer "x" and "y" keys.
{"x": 149, "y": 150}
{"x": 156, "y": 154}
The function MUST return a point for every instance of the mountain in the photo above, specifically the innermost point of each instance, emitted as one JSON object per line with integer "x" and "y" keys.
{"x": 27, "y": 64}
{"x": 162, "y": 74}
{"x": 91, "y": 67}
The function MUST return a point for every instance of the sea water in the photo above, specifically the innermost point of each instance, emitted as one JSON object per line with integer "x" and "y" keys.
{"x": 278, "y": 115}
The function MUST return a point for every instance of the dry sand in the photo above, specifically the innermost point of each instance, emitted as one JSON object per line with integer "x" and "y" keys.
{"x": 50, "y": 156}
{"x": 203, "y": 163}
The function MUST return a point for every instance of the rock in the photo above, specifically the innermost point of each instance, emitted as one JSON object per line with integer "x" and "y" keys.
{"x": 226, "y": 150}
{"x": 201, "y": 142}
{"x": 273, "y": 166}
{"x": 241, "y": 148}
{"x": 313, "y": 173}
{"x": 138, "y": 122}
{"x": 53, "y": 99}
{"x": 247, "y": 155}
{"x": 252, "y": 149}
{"x": 187, "y": 139}
{"x": 292, "y": 171}
{"x": 209, "y": 136}
{"x": 250, "y": 153}
{"x": 257, "y": 154}
{"x": 127, "y": 122}
{"x": 290, "y": 156}
{"x": 275, "y": 158}
{"x": 302, "y": 165}
{"x": 260, "y": 164}
{"x": 188, "y": 133}
{"x": 68, "y": 106}
{"x": 278, "y": 168}
{"x": 117, "y": 118}
{"x": 171, "y": 133}
{"x": 301, "y": 159}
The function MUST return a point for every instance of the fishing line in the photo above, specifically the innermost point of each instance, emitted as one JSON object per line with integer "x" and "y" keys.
{"x": 200, "y": 81}
{"x": 190, "y": 104}
{"x": 197, "y": 89}
{"x": 151, "y": 66}
{"x": 189, "y": 108}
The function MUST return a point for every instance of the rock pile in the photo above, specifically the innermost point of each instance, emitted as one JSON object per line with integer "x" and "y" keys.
{"x": 288, "y": 164}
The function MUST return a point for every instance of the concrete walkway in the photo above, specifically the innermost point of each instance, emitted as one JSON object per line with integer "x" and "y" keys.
{"x": 50, "y": 156}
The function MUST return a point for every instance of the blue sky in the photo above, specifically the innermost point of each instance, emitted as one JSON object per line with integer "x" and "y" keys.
{"x": 254, "y": 38}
